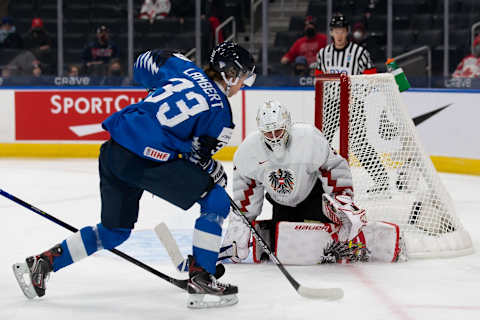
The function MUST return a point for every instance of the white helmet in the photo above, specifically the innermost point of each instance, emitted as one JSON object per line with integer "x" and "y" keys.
{"x": 274, "y": 121}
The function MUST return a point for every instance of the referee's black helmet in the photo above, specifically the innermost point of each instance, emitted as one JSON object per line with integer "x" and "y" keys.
{"x": 339, "y": 21}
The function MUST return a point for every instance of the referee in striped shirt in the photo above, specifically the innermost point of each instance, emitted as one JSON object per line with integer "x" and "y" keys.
{"x": 343, "y": 56}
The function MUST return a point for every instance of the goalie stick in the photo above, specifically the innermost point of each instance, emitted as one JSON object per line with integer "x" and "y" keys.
{"x": 313, "y": 293}
{"x": 176, "y": 282}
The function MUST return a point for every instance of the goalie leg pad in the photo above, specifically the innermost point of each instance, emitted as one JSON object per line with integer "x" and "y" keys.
{"x": 300, "y": 243}
{"x": 383, "y": 241}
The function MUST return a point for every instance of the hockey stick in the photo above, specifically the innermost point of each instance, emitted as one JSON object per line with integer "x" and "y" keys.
{"x": 179, "y": 262}
{"x": 177, "y": 282}
{"x": 314, "y": 293}
{"x": 166, "y": 238}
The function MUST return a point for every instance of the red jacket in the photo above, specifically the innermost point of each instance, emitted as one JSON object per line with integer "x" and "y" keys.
{"x": 307, "y": 47}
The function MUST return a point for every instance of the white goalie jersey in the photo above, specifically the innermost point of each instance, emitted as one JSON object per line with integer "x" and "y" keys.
{"x": 288, "y": 180}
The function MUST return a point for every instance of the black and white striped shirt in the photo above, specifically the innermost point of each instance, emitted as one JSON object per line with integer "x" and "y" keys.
{"x": 353, "y": 59}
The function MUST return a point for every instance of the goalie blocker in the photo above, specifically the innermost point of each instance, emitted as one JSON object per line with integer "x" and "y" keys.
{"x": 301, "y": 243}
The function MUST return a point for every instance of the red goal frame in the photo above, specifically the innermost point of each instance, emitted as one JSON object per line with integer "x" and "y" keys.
{"x": 344, "y": 110}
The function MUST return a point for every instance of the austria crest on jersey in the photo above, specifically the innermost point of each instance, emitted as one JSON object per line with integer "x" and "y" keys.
{"x": 282, "y": 180}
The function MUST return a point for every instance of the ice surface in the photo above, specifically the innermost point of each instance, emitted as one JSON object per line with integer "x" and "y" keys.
{"x": 106, "y": 287}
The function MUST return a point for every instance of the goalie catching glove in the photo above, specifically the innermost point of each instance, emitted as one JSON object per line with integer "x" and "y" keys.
{"x": 236, "y": 241}
{"x": 343, "y": 212}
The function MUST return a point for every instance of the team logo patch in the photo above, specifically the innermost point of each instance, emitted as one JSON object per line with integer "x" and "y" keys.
{"x": 156, "y": 154}
{"x": 282, "y": 180}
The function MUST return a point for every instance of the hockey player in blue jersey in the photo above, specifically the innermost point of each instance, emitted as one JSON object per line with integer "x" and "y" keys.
{"x": 164, "y": 145}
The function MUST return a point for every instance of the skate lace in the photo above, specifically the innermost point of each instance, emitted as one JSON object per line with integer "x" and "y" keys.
{"x": 217, "y": 284}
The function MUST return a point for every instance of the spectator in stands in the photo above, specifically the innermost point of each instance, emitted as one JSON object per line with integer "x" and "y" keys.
{"x": 469, "y": 67}
{"x": 9, "y": 37}
{"x": 115, "y": 68}
{"x": 39, "y": 42}
{"x": 115, "y": 74}
{"x": 23, "y": 64}
{"x": 359, "y": 34}
{"x": 73, "y": 70}
{"x": 301, "y": 67}
{"x": 37, "y": 72}
{"x": 155, "y": 9}
{"x": 98, "y": 53}
{"x": 307, "y": 45}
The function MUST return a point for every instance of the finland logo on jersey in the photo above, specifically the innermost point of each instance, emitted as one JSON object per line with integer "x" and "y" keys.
{"x": 282, "y": 180}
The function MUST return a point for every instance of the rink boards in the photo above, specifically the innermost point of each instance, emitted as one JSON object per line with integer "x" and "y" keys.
{"x": 52, "y": 122}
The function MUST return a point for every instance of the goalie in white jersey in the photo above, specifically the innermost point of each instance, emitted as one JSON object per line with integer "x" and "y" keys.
{"x": 304, "y": 179}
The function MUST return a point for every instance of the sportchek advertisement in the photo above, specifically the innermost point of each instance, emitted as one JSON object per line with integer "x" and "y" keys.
{"x": 68, "y": 115}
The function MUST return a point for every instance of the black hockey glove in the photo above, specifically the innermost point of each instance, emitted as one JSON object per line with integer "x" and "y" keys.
{"x": 203, "y": 148}
{"x": 215, "y": 169}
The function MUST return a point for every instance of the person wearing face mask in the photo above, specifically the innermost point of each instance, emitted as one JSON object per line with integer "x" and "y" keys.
{"x": 39, "y": 42}
{"x": 308, "y": 45}
{"x": 9, "y": 38}
{"x": 469, "y": 67}
{"x": 300, "y": 67}
{"x": 98, "y": 53}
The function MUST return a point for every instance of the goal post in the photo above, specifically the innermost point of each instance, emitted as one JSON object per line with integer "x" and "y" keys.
{"x": 364, "y": 118}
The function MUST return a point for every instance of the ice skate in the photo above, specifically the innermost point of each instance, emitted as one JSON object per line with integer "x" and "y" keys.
{"x": 204, "y": 291}
{"x": 33, "y": 275}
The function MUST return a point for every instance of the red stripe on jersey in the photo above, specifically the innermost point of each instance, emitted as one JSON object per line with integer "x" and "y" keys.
{"x": 332, "y": 182}
{"x": 247, "y": 194}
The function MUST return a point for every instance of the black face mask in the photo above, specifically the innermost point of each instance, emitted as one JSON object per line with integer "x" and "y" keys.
{"x": 310, "y": 32}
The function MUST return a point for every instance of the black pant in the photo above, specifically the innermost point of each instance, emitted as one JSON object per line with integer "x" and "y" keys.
{"x": 124, "y": 176}
{"x": 309, "y": 209}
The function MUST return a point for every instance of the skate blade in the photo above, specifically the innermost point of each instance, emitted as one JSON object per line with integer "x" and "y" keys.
{"x": 203, "y": 301}
{"x": 21, "y": 271}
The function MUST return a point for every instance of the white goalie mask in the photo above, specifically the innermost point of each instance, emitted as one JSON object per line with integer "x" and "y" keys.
{"x": 274, "y": 121}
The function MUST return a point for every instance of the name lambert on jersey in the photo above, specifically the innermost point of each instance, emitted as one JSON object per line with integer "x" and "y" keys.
{"x": 207, "y": 87}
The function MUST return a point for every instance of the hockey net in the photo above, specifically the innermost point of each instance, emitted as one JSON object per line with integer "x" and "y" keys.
{"x": 363, "y": 117}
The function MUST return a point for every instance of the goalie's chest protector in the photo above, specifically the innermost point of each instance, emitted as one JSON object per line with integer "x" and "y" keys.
{"x": 288, "y": 180}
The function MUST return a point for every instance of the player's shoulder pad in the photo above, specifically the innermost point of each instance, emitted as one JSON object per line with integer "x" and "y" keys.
{"x": 246, "y": 156}
{"x": 305, "y": 130}
{"x": 151, "y": 68}
{"x": 308, "y": 136}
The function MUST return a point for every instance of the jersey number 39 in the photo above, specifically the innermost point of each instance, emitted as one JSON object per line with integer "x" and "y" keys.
{"x": 178, "y": 85}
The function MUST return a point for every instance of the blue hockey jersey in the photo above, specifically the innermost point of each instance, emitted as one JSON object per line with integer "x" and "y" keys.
{"x": 184, "y": 104}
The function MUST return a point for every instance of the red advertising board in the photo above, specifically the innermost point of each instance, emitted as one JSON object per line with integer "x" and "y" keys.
{"x": 68, "y": 115}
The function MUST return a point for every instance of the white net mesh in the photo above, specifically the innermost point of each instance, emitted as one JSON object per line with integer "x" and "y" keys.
{"x": 394, "y": 179}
